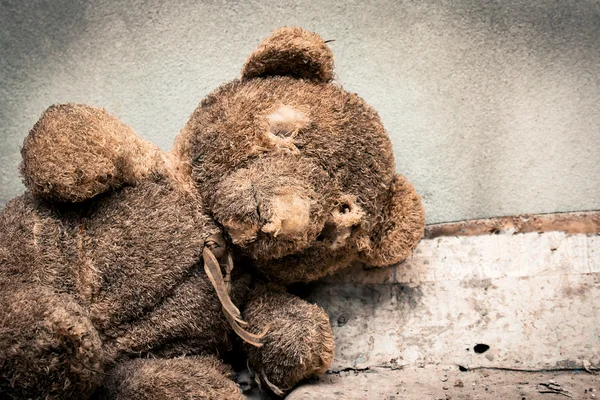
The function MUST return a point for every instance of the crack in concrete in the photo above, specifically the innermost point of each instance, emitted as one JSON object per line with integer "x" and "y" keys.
{"x": 462, "y": 368}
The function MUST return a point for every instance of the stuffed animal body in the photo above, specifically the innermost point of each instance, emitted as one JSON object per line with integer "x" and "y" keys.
{"x": 116, "y": 276}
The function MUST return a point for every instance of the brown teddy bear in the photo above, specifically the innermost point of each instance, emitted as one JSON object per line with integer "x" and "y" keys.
{"x": 116, "y": 276}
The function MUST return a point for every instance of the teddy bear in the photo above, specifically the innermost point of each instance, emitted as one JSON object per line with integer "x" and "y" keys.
{"x": 127, "y": 272}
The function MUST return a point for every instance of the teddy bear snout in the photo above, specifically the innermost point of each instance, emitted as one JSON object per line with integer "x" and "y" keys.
{"x": 252, "y": 212}
{"x": 284, "y": 215}
{"x": 288, "y": 215}
{"x": 273, "y": 206}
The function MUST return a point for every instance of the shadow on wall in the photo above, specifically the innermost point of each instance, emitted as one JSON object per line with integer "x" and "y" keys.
{"x": 492, "y": 107}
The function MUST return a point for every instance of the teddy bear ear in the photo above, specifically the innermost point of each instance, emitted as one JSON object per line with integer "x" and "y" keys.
{"x": 293, "y": 52}
{"x": 400, "y": 226}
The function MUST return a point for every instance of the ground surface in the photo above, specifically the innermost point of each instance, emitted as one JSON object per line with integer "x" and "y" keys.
{"x": 444, "y": 383}
{"x": 438, "y": 383}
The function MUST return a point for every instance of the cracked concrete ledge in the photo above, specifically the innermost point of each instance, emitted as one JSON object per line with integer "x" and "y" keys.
{"x": 497, "y": 304}
{"x": 573, "y": 222}
{"x": 530, "y": 297}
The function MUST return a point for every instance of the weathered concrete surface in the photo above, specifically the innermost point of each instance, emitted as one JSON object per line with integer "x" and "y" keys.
{"x": 435, "y": 383}
{"x": 532, "y": 298}
{"x": 477, "y": 303}
{"x": 492, "y": 106}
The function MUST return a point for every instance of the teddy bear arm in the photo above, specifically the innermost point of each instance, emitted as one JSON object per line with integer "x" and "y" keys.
{"x": 401, "y": 226}
{"x": 175, "y": 378}
{"x": 299, "y": 342}
{"x": 48, "y": 346}
{"x": 75, "y": 152}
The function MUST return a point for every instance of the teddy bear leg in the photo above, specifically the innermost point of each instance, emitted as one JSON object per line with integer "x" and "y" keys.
{"x": 166, "y": 379}
{"x": 48, "y": 347}
{"x": 299, "y": 343}
{"x": 75, "y": 152}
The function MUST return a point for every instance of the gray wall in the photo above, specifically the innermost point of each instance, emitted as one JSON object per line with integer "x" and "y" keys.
{"x": 493, "y": 108}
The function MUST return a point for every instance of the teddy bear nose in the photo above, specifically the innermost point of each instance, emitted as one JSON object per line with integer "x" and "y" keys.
{"x": 285, "y": 215}
{"x": 288, "y": 215}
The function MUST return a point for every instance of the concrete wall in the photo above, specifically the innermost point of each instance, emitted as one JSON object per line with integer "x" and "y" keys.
{"x": 493, "y": 108}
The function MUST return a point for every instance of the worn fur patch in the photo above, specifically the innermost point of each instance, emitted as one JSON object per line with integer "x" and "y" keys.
{"x": 286, "y": 121}
{"x": 290, "y": 215}
{"x": 284, "y": 124}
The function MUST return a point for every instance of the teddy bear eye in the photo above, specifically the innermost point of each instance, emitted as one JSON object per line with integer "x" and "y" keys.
{"x": 345, "y": 208}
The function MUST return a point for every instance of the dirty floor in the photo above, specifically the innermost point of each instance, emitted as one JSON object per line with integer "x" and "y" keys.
{"x": 433, "y": 383}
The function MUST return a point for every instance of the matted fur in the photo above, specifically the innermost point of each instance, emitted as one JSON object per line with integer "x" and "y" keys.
{"x": 87, "y": 285}
{"x": 300, "y": 342}
{"x": 284, "y": 131}
{"x": 188, "y": 378}
{"x": 102, "y": 288}
{"x": 75, "y": 152}
{"x": 402, "y": 225}
{"x": 342, "y": 152}
{"x": 37, "y": 329}
{"x": 291, "y": 52}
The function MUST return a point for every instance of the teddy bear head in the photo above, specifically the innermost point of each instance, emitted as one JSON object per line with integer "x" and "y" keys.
{"x": 299, "y": 172}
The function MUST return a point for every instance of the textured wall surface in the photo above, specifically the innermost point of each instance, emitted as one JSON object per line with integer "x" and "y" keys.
{"x": 493, "y": 108}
